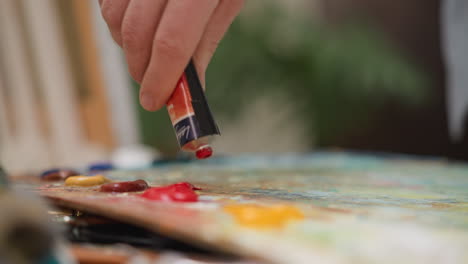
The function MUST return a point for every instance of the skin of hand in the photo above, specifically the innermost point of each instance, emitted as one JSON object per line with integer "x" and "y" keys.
{"x": 159, "y": 37}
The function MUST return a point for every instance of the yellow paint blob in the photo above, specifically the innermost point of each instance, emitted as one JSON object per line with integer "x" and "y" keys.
{"x": 86, "y": 181}
{"x": 264, "y": 217}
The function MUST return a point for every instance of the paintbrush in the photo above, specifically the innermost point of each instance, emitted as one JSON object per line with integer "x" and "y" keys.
{"x": 3, "y": 178}
{"x": 26, "y": 235}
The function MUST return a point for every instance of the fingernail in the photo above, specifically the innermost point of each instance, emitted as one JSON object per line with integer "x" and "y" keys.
{"x": 147, "y": 101}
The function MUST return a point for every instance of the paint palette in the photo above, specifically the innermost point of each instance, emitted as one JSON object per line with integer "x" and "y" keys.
{"x": 324, "y": 208}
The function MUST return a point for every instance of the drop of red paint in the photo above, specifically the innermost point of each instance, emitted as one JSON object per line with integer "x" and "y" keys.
{"x": 204, "y": 152}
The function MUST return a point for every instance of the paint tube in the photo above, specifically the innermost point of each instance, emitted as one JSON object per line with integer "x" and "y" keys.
{"x": 190, "y": 115}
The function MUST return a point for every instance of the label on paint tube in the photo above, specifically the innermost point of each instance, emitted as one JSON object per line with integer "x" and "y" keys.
{"x": 189, "y": 111}
{"x": 182, "y": 114}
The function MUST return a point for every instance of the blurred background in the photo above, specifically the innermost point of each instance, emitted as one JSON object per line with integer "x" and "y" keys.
{"x": 290, "y": 76}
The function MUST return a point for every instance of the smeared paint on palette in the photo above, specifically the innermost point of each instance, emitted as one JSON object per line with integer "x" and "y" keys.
{"x": 179, "y": 192}
{"x": 355, "y": 208}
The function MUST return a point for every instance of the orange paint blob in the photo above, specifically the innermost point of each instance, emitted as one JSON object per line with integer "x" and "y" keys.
{"x": 264, "y": 217}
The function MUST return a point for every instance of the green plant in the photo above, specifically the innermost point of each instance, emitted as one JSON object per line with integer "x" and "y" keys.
{"x": 336, "y": 77}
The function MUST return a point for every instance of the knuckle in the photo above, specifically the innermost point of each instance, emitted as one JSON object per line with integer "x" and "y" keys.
{"x": 169, "y": 48}
{"x": 129, "y": 34}
{"x": 109, "y": 14}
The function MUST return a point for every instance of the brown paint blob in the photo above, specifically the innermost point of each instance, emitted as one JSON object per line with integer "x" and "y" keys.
{"x": 59, "y": 175}
{"x": 127, "y": 186}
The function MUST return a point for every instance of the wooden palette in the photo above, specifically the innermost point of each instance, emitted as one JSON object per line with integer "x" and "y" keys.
{"x": 358, "y": 208}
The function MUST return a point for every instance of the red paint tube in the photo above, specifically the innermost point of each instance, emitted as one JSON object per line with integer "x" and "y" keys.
{"x": 190, "y": 115}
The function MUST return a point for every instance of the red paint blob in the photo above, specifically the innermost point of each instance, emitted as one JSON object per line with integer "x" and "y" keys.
{"x": 179, "y": 192}
{"x": 204, "y": 152}
{"x": 187, "y": 185}
{"x": 128, "y": 186}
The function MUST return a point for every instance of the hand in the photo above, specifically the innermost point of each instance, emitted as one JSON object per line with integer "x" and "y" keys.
{"x": 160, "y": 36}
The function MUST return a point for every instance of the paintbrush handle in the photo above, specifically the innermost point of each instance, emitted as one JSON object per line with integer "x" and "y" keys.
{"x": 3, "y": 177}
